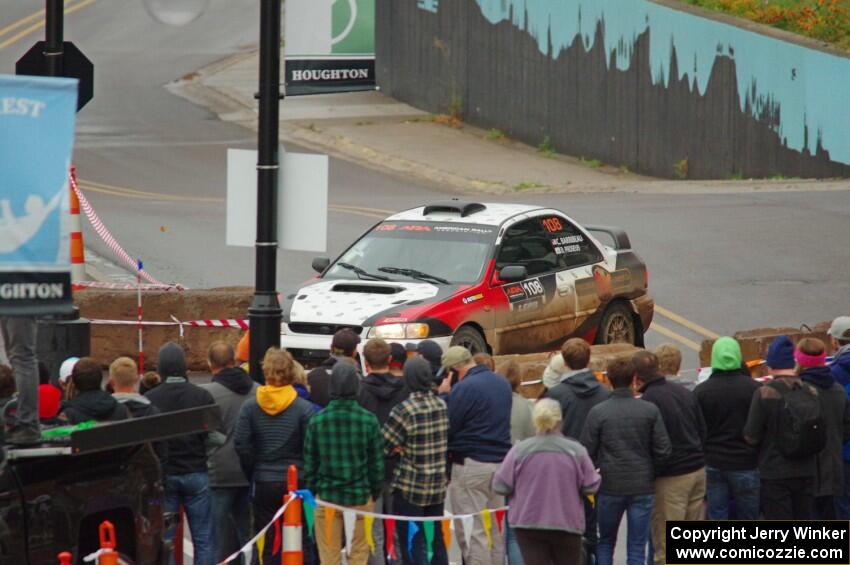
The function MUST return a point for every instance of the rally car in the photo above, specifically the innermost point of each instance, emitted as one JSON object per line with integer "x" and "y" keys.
{"x": 496, "y": 278}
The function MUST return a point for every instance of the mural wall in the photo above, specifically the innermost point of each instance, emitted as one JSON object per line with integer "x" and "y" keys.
{"x": 631, "y": 82}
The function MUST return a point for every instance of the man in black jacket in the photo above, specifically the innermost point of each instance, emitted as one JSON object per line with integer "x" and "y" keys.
{"x": 731, "y": 463}
{"x": 579, "y": 391}
{"x": 380, "y": 391}
{"x": 91, "y": 401}
{"x": 186, "y": 478}
{"x": 680, "y": 479}
{"x": 626, "y": 439}
{"x": 343, "y": 348}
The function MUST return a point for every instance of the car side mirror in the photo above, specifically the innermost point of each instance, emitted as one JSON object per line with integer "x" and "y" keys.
{"x": 513, "y": 273}
{"x": 320, "y": 264}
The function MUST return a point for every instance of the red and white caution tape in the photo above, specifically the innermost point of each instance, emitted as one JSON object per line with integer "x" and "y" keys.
{"x": 228, "y": 323}
{"x": 110, "y": 241}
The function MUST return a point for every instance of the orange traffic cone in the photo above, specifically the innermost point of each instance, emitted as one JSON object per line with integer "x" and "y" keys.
{"x": 109, "y": 555}
{"x": 78, "y": 252}
{"x": 65, "y": 558}
{"x": 293, "y": 553}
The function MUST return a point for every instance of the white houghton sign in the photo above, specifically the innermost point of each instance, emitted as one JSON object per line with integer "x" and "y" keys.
{"x": 302, "y": 200}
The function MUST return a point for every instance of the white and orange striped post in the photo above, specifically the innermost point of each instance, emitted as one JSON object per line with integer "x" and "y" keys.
{"x": 293, "y": 552}
{"x": 78, "y": 253}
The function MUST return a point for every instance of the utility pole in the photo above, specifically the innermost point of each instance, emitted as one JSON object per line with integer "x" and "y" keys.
{"x": 265, "y": 313}
{"x": 53, "y": 37}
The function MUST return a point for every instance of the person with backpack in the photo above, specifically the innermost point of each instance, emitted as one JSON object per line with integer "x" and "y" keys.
{"x": 835, "y": 409}
{"x": 786, "y": 423}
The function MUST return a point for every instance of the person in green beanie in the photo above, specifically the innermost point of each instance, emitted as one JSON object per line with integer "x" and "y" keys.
{"x": 731, "y": 463}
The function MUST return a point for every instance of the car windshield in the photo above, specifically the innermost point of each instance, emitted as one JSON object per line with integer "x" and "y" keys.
{"x": 430, "y": 252}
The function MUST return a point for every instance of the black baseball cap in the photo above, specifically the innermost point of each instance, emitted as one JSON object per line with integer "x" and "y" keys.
{"x": 432, "y": 352}
{"x": 398, "y": 355}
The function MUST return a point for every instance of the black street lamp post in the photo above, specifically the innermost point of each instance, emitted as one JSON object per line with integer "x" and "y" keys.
{"x": 53, "y": 37}
{"x": 265, "y": 313}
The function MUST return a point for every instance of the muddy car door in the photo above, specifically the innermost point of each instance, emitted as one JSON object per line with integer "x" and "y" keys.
{"x": 529, "y": 319}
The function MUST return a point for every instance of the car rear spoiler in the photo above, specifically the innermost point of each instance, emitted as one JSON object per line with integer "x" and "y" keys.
{"x": 618, "y": 235}
{"x": 126, "y": 433}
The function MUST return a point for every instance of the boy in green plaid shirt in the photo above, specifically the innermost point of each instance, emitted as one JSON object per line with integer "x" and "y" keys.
{"x": 343, "y": 463}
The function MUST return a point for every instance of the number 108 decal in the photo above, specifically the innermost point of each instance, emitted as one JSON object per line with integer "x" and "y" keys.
{"x": 533, "y": 287}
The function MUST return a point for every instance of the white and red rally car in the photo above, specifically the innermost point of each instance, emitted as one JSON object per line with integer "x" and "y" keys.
{"x": 498, "y": 278}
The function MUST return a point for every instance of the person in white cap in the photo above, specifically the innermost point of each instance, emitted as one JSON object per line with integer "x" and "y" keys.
{"x": 65, "y": 370}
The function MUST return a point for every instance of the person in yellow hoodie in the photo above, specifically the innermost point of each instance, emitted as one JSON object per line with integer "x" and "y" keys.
{"x": 269, "y": 437}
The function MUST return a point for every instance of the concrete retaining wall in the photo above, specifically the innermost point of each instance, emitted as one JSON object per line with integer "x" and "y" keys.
{"x": 661, "y": 88}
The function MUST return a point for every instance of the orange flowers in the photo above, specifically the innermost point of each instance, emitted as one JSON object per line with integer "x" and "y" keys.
{"x": 827, "y": 20}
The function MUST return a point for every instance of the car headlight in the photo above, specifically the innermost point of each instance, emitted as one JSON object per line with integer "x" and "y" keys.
{"x": 400, "y": 331}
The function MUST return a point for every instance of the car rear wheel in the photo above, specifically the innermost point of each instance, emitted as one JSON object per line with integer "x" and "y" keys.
{"x": 617, "y": 326}
{"x": 471, "y": 339}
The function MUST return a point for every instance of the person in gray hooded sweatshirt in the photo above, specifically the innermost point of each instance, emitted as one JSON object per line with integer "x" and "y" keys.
{"x": 231, "y": 493}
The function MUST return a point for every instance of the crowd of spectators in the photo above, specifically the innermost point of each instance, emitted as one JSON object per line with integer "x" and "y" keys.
{"x": 419, "y": 431}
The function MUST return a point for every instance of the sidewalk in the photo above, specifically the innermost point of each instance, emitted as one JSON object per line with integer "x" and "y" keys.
{"x": 375, "y": 130}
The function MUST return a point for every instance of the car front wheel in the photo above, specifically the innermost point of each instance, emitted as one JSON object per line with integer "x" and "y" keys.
{"x": 471, "y": 339}
{"x": 617, "y": 326}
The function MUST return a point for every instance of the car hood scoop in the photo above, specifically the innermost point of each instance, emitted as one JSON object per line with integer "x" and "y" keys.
{"x": 353, "y": 302}
{"x": 366, "y": 288}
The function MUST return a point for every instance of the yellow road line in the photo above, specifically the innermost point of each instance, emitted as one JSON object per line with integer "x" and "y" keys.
{"x": 38, "y": 25}
{"x": 682, "y": 321}
{"x": 22, "y": 21}
{"x": 124, "y": 192}
{"x": 346, "y": 210}
{"x": 382, "y": 212}
{"x": 667, "y": 332}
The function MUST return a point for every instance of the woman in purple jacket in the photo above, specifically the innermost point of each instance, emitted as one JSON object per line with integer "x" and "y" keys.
{"x": 544, "y": 478}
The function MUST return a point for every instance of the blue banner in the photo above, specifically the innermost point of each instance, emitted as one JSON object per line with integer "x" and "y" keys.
{"x": 36, "y": 138}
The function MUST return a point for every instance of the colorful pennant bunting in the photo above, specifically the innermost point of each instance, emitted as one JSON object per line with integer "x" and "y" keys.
{"x": 349, "y": 519}
{"x": 368, "y": 522}
{"x": 487, "y": 522}
{"x": 329, "y": 523}
{"x": 428, "y": 528}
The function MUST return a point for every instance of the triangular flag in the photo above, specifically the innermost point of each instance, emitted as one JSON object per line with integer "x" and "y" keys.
{"x": 500, "y": 518}
{"x": 261, "y": 544}
{"x": 329, "y": 522}
{"x": 349, "y": 519}
{"x": 412, "y": 530}
{"x": 368, "y": 521}
{"x": 446, "y": 526}
{"x": 466, "y": 524}
{"x": 428, "y": 528}
{"x": 487, "y": 522}
{"x": 248, "y": 552}
{"x": 592, "y": 499}
{"x": 310, "y": 516}
{"x": 276, "y": 546}
{"x": 389, "y": 536}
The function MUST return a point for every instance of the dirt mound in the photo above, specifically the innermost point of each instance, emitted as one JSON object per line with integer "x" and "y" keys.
{"x": 111, "y": 341}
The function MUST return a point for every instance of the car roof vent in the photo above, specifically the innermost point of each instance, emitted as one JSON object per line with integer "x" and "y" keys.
{"x": 455, "y": 206}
